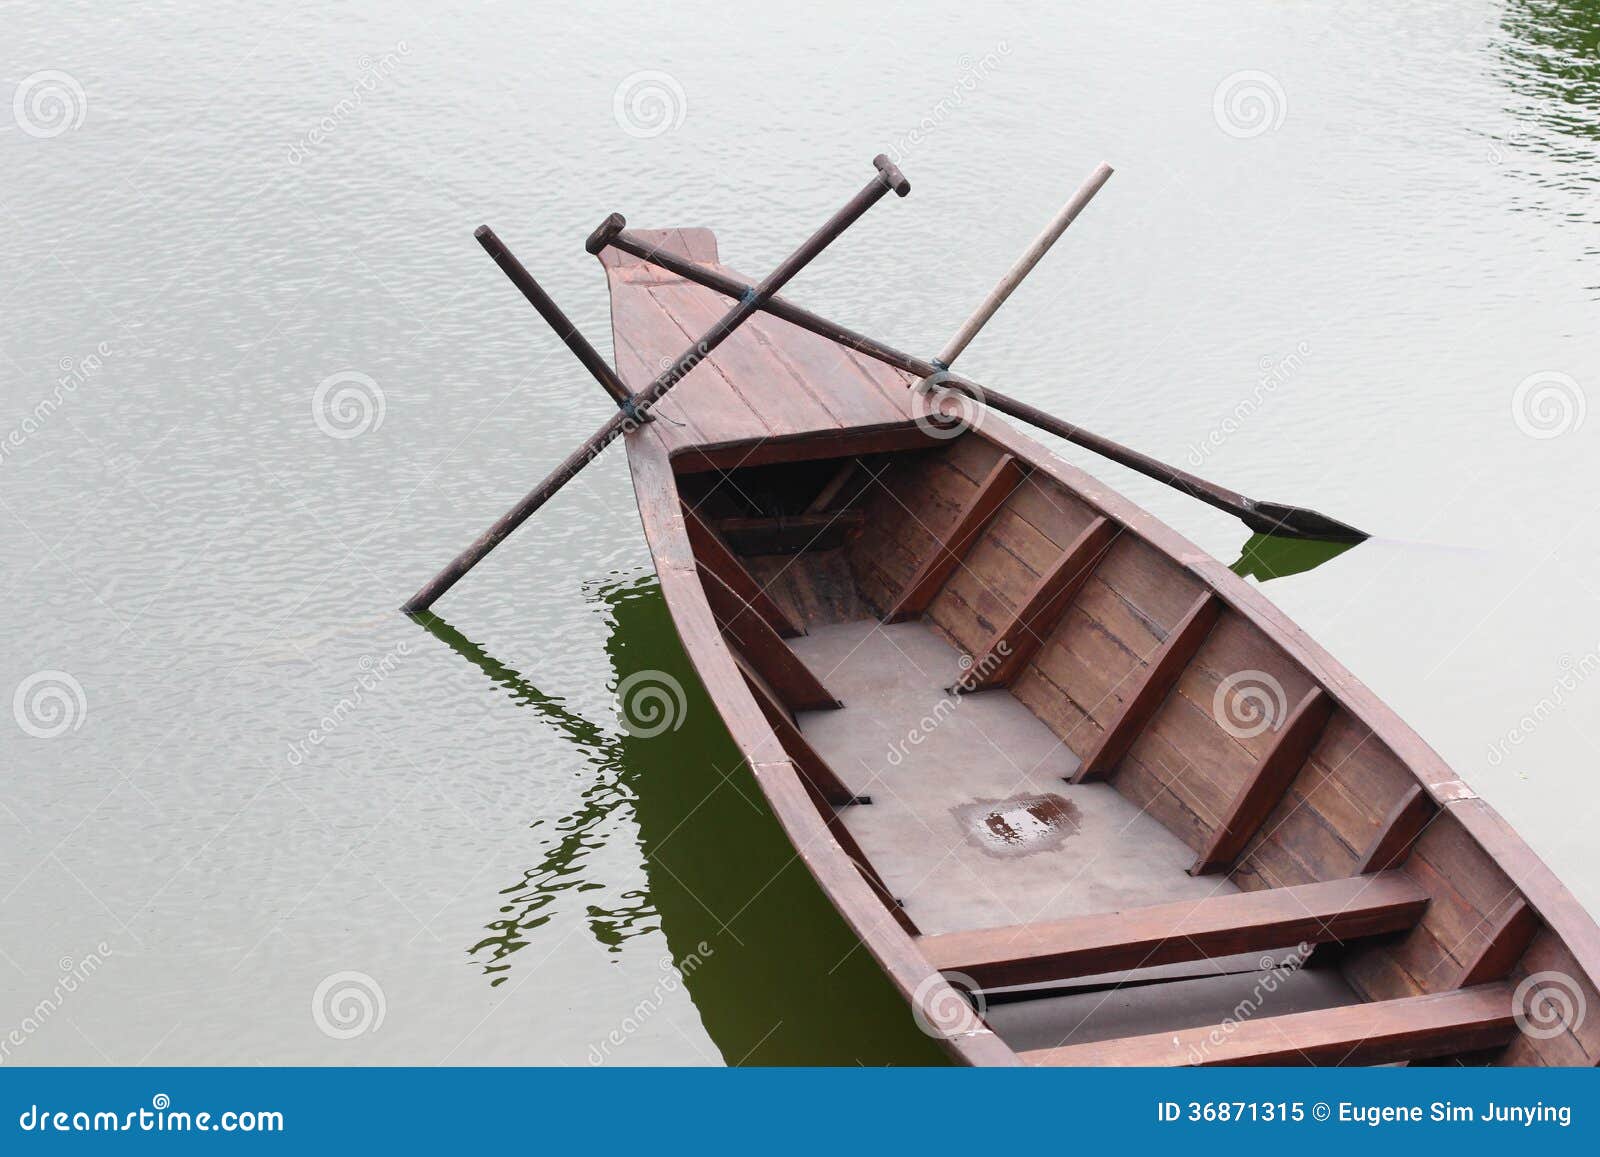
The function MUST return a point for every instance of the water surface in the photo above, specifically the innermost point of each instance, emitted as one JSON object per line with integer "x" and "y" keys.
{"x": 1375, "y": 291}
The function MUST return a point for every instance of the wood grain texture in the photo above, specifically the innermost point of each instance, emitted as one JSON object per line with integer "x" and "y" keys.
{"x": 812, "y": 767}
{"x": 713, "y": 553}
{"x": 791, "y": 680}
{"x": 1340, "y": 801}
{"x": 1163, "y": 670}
{"x": 1508, "y": 938}
{"x": 1338, "y": 804}
{"x": 967, "y": 1039}
{"x": 1015, "y": 642}
{"x": 769, "y": 380}
{"x": 1216, "y": 926}
{"x": 1003, "y": 477}
{"x": 1017, "y": 548}
{"x": 735, "y": 453}
{"x": 815, "y": 589}
{"x": 1267, "y": 783}
{"x": 789, "y": 533}
{"x": 1552, "y": 980}
{"x": 1380, "y": 1033}
{"x": 1555, "y": 904}
{"x": 1404, "y": 823}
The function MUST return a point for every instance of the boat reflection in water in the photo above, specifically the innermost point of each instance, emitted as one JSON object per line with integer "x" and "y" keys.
{"x": 784, "y": 982}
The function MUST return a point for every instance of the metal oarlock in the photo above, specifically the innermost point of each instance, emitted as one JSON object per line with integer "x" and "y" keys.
{"x": 887, "y": 179}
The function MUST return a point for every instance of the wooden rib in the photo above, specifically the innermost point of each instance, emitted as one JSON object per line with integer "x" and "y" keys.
{"x": 1160, "y": 676}
{"x": 1016, "y": 642}
{"x": 1273, "y": 773}
{"x": 712, "y": 553}
{"x": 792, "y": 681}
{"x": 847, "y": 841}
{"x": 1334, "y": 910}
{"x": 1004, "y": 477}
{"x": 737, "y": 454}
{"x": 831, "y": 488}
{"x": 1403, "y": 825}
{"x": 811, "y": 766}
{"x": 790, "y": 533}
{"x": 1508, "y": 940}
{"x": 1382, "y": 1032}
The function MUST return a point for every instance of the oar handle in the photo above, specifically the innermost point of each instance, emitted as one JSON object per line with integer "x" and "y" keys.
{"x": 1024, "y": 266}
{"x": 598, "y": 367}
{"x": 886, "y": 180}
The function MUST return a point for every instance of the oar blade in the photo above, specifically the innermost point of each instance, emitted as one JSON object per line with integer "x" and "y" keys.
{"x": 1298, "y": 522}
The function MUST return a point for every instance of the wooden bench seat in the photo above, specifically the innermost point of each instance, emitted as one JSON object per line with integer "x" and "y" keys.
{"x": 1383, "y": 1032}
{"x": 1336, "y": 910}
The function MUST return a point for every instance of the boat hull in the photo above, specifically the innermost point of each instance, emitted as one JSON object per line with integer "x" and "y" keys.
{"x": 1136, "y": 827}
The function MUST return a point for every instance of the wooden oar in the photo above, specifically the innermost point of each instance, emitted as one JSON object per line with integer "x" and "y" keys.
{"x": 637, "y": 406}
{"x": 1260, "y": 516}
{"x": 587, "y": 355}
{"x": 1024, "y": 266}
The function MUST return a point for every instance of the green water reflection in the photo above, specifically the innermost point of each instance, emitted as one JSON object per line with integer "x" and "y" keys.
{"x": 1552, "y": 51}
{"x": 1548, "y": 57}
{"x": 1267, "y": 556}
{"x": 784, "y": 981}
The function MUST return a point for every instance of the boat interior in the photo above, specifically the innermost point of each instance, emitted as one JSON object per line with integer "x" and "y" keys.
{"x": 1102, "y": 799}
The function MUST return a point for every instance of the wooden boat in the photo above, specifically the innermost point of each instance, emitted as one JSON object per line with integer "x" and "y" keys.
{"x": 1086, "y": 795}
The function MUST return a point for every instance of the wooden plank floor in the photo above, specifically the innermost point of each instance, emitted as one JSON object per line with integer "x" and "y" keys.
{"x": 973, "y": 822}
{"x": 769, "y": 380}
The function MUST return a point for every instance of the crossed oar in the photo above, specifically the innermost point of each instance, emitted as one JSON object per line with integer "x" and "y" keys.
{"x": 934, "y": 375}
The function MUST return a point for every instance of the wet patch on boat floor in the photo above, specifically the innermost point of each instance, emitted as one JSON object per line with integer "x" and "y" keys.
{"x": 1021, "y": 826}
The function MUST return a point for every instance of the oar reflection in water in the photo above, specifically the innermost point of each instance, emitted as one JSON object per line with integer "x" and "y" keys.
{"x": 775, "y": 974}
{"x": 1269, "y": 556}
{"x": 528, "y": 904}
